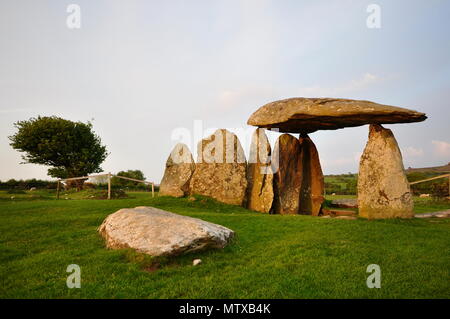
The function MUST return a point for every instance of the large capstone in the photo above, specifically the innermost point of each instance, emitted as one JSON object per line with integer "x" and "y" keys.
{"x": 179, "y": 168}
{"x": 306, "y": 115}
{"x": 259, "y": 174}
{"x": 220, "y": 169}
{"x": 157, "y": 232}
{"x": 287, "y": 180}
{"x": 383, "y": 189}
{"x": 312, "y": 182}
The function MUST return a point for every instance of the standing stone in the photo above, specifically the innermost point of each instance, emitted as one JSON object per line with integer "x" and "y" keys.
{"x": 259, "y": 174}
{"x": 179, "y": 168}
{"x": 312, "y": 189}
{"x": 221, "y": 169}
{"x": 287, "y": 168}
{"x": 383, "y": 190}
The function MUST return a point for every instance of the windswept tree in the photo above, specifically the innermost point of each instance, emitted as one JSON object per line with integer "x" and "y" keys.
{"x": 71, "y": 148}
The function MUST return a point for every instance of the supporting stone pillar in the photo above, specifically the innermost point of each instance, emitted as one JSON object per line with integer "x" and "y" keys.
{"x": 383, "y": 189}
{"x": 312, "y": 188}
{"x": 287, "y": 168}
{"x": 259, "y": 174}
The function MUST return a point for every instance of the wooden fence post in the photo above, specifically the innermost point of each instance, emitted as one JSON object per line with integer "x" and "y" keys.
{"x": 109, "y": 185}
{"x": 153, "y": 190}
{"x": 57, "y": 190}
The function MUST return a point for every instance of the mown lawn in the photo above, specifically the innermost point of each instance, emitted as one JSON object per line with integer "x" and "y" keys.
{"x": 271, "y": 257}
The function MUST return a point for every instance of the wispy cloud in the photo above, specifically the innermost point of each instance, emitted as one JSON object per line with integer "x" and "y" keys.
{"x": 441, "y": 148}
{"x": 411, "y": 151}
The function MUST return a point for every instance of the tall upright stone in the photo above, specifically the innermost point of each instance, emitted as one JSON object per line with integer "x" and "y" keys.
{"x": 179, "y": 169}
{"x": 287, "y": 180}
{"x": 259, "y": 174}
{"x": 383, "y": 189}
{"x": 220, "y": 169}
{"x": 312, "y": 187}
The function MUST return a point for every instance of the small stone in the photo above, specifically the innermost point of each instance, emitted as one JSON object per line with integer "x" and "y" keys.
{"x": 192, "y": 199}
{"x": 196, "y": 262}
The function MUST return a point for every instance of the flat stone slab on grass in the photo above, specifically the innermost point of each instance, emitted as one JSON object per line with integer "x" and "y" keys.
{"x": 157, "y": 232}
{"x": 443, "y": 214}
{"x": 345, "y": 203}
{"x": 337, "y": 212}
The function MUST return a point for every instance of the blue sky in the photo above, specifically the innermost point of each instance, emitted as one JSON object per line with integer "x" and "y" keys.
{"x": 141, "y": 69}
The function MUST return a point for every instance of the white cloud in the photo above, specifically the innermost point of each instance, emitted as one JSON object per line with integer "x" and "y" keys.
{"x": 441, "y": 148}
{"x": 354, "y": 85}
{"x": 411, "y": 151}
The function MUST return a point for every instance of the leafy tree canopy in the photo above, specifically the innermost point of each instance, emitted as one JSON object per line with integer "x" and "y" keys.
{"x": 136, "y": 174}
{"x": 71, "y": 148}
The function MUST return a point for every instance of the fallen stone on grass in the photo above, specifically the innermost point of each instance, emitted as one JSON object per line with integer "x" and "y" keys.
{"x": 442, "y": 214}
{"x": 345, "y": 217}
{"x": 336, "y": 212}
{"x": 157, "y": 232}
{"x": 345, "y": 203}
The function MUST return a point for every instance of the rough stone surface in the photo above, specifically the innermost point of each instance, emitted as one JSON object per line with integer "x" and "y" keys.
{"x": 259, "y": 174}
{"x": 179, "y": 168}
{"x": 335, "y": 212}
{"x": 383, "y": 190}
{"x": 346, "y": 217}
{"x": 345, "y": 203}
{"x": 287, "y": 168}
{"x": 442, "y": 214}
{"x": 221, "y": 169}
{"x": 159, "y": 233}
{"x": 312, "y": 184}
{"x": 306, "y": 115}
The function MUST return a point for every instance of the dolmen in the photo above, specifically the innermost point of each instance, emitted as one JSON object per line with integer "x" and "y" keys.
{"x": 288, "y": 179}
{"x": 383, "y": 190}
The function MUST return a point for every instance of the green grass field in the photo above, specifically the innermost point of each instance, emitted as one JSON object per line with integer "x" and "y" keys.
{"x": 272, "y": 256}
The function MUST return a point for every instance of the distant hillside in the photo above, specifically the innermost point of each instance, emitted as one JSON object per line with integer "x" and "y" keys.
{"x": 436, "y": 169}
